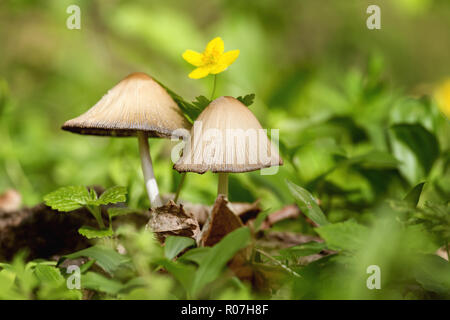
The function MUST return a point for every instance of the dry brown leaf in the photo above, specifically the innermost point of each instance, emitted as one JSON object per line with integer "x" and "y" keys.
{"x": 172, "y": 220}
{"x": 288, "y": 212}
{"x": 246, "y": 211}
{"x": 222, "y": 221}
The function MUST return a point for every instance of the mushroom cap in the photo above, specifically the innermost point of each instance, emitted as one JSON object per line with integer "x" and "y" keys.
{"x": 136, "y": 103}
{"x": 227, "y": 137}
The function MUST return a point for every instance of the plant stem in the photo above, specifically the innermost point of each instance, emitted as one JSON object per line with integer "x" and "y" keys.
{"x": 223, "y": 184}
{"x": 147, "y": 168}
{"x": 97, "y": 215}
{"x": 214, "y": 87}
{"x": 180, "y": 185}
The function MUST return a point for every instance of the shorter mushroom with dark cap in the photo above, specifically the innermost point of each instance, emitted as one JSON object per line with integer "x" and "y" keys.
{"x": 136, "y": 106}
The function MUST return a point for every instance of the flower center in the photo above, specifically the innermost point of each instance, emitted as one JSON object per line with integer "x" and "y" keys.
{"x": 211, "y": 57}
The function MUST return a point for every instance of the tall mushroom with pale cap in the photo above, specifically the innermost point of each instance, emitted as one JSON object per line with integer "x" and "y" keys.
{"x": 136, "y": 106}
{"x": 225, "y": 138}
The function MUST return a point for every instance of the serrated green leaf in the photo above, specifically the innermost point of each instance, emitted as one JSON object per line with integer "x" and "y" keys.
{"x": 201, "y": 102}
{"x": 174, "y": 245}
{"x": 191, "y": 111}
{"x": 68, "y": 198}
{"x": 247, "y": 99}
{"x": 47, "y": 273}
{"x": 92, "y": 233}
{"x": 113, "y": 195}
{"x": 307, "y": 203}
{"x": 107, "y": 258}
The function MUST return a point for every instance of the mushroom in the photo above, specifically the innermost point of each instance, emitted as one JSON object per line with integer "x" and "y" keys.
{"x": 227, "y": 137}
{"x": 136, "y": 106}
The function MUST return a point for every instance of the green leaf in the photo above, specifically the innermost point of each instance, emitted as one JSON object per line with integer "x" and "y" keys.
{"x": 247, "y": 99}
{"x": 216, "y": 259}
{"x": 68, "y": 198}
{"x": 303, "y": 250}
{"x": 182, "y": 272}
{"x": 307, "y": 203}
{"x": 113, "y": 195}
{"x": 433, "y": 273}
{"x": 201, "y": 102}
{"x": 92, "y": 233}
{"x": 47, "y": 273}
{"x": 416, "y": 148}
{"x": 97, "y": 282}
{"x": 107, "y": 258}
{"x": 174, "y": 245}
{"x": 196, "y": 255}
{"x": 413, "y": 195}
{"x": 347, "y": 235}
{"x": 374, "y": 160}
{"x": 189, "y": 109}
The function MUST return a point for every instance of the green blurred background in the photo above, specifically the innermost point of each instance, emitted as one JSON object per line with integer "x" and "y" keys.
{"x": 358, "y": 123}
{"x": 329, "y": 84}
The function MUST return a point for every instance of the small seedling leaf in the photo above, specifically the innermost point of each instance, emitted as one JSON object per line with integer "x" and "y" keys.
{"x": 247, "y": 99}
{"x": 113, "y": 195}
{"x": 68, "y": 198}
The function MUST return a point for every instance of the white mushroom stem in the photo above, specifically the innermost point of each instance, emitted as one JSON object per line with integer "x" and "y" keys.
{"x": 147, "y": 169}
{"x": 223, "y": 184}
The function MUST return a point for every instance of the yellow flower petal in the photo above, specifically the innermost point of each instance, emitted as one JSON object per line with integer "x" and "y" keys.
{"x": 442, "y": 96}
{"x": 229, "y": 57}
{"x": 199, "y": 73}
{"x": 218, "y": 68}
{"x": 215, "y": 46}
{"x": 193, "y": 57}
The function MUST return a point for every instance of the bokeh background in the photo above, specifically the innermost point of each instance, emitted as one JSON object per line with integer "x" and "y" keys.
{"x": 318, "y": 73}
{"x": 358, "y": 122}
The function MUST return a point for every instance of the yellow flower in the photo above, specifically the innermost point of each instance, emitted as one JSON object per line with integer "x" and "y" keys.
{"x": 212, "y": 61}
{"x": 442, "y": 96}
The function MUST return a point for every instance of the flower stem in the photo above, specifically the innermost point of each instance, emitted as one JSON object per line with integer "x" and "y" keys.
{"x": 214, "y": 87}
{"x": 180, "y": 185}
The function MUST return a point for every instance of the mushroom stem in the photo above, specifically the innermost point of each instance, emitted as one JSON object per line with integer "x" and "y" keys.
{"x": 223, "y": 184}
{"x": 147, "y": 169}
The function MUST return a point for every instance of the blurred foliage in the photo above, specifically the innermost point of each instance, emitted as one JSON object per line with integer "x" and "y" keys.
{"x": 358, "y": 129}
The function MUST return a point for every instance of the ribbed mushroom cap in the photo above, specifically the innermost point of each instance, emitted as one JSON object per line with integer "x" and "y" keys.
{"x": 137, "y": 103}
{"x": 227, "y": 137}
